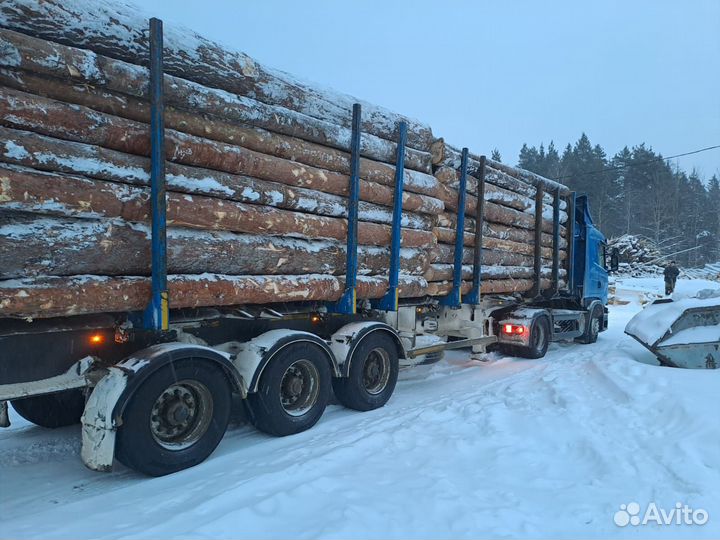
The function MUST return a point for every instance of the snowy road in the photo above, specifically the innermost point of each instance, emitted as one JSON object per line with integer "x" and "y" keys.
{"x": 502, "y": 448}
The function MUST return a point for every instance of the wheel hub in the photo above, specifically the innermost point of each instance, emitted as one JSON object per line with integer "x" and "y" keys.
{"x": 376, "y": 371}
{"x": 299, "y": 388}
{"x": 181, "y": 414}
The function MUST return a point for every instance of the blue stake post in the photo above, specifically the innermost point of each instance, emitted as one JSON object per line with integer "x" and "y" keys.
{"x": 157, "y": 312}
{"x": 348, "y": 302}
{"x": 389, "y": 302}
{"x": 454, "y": 299}
{"x": 473, "y": 297}
{"x": 556, "y": 243}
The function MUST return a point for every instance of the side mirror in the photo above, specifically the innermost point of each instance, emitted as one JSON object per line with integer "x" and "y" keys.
{"x": 614, "y": 260}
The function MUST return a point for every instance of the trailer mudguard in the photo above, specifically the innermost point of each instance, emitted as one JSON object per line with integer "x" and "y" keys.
{"x": 344, "y": 342}
{"x": 257, "y": 353}
{"x": 103, "y": 411}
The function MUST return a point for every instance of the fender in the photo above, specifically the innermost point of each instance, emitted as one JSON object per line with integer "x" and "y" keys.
{"x": 344, "y": 342}
{"x": 591, "y": 303}
{"x": 522, "y": 316}
{"x": 105, "y": 406}
{"x": 255, "y": 354}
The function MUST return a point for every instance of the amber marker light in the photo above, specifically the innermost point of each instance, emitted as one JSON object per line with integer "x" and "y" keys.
{"x": 97, "y": 339}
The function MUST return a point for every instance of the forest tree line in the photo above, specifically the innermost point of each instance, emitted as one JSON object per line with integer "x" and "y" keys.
{"x": 637, "y": 192}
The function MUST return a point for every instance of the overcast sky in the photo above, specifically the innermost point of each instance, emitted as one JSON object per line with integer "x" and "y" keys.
{"x": 501, "y": 73}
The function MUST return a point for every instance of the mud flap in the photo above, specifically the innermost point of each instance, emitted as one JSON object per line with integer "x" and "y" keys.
{"x": 98, "y": 426}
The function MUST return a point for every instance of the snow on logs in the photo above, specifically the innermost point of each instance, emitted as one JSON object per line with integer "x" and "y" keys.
{"x": 257, "y": 177}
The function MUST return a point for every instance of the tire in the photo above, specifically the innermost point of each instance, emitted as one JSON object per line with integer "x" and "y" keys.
{"x": 293, "y": 392}
{"x": 373, "y": 374}
{"x": 52, "y": 410}
{"x": 539, "y": 339}
{"x": 175, "y": 419}
{"x": 592, "y": 329}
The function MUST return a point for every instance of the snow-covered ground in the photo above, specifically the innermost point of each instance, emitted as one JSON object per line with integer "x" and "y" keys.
{"x": 500, "y": 448}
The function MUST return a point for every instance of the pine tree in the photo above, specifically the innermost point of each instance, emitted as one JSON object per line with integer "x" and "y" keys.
{"x": 495, "y": 155}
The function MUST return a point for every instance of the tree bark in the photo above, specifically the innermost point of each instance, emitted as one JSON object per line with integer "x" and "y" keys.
{"x": 444, "y": 154}
{"x": 444, "y": 272}
{"x": 76, "y": 295}
{"x": 500, "y": 230}
{"x": 444, "y": 253}
{"x": 190, "y": 122}
{"x": 117, "y": 31}
{"x": 55, "y": 155}
{"x": 62, "y": 247}
{"x": 447, "y": 236}
{"x": 84, "y": 67}
{"x": 73, "y": 122}
{"x": 495, "y": 286}
{"x": 63, "y": 195}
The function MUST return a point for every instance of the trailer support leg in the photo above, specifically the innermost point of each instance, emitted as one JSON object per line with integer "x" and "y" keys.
{"x": 157, "y": 313}
{"x": 473, "y": 297}
{"x": 348, "y": 301}
{"x": 454, "y": 299}
{"x": 389, "y": 302}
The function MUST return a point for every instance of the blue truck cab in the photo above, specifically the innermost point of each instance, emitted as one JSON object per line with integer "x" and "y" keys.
{"x": 589, "y": 269}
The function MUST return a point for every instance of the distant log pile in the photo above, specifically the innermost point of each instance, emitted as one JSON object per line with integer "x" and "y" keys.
{"x": 257, "y": 172}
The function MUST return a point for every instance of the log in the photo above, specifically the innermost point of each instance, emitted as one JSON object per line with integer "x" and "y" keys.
{"x": 444, "y": 154}
{"x": 500, "y": 212}
{"x": 85, "y": 67}
{"x": 55, "y": 155}
{"x": 119, "y": 31}
{"x": 444, "y": 272}
{"x": 62, "y": 247}
{"x": 444, "y": 253}
{"x": 447, "y": 236}
{"x": 75, "y": 295}
{"x": 500, "y": 230}
{"x": 26, "y": 190}
{"x": 253, "y": 138}
{"x": 494, "y": 194}
{"x": 495, "y": 286}
{"x": 76, "y": 123}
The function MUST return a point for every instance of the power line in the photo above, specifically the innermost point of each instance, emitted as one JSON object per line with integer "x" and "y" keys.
{"x": 638, "y": 164}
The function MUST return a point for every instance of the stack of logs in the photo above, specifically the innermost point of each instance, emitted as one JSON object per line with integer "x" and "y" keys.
{"x": 257, "y": 175}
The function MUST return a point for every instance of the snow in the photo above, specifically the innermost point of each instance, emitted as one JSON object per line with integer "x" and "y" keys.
{"x": 698, "y": 334}
{"x": 656, "y": 319}
{"x": 502, "y": 447}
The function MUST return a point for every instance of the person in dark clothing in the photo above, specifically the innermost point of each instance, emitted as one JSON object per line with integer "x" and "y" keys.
{"x": 671, "y": 274}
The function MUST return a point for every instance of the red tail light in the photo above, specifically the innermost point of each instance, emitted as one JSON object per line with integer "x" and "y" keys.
{"x": 516, "y": 329}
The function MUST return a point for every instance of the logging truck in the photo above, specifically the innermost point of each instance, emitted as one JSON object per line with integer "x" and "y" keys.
{"x": 474, "y": 254}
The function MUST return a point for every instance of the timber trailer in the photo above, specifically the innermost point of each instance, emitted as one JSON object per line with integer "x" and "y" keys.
{"x": 155, "y": 389}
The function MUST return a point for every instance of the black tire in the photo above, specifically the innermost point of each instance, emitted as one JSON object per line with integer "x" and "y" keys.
{"x": 52, "y": 410}
{"x": 592, "y": 329}
{"x": 373, "y": 374}
{"x": 293, "y": 392}
{"x": 539, "y": 339}
{"x": 175, "y": 419}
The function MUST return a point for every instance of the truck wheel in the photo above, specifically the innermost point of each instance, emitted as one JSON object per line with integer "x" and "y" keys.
{"x": 293, "y": 392}
{"x": 539, "y": 339}
{"x": 592, "y": 329}
{"x": 52, "y": 410}
{"x": 373, "y": 374}
{"x": 175, "y": 419}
